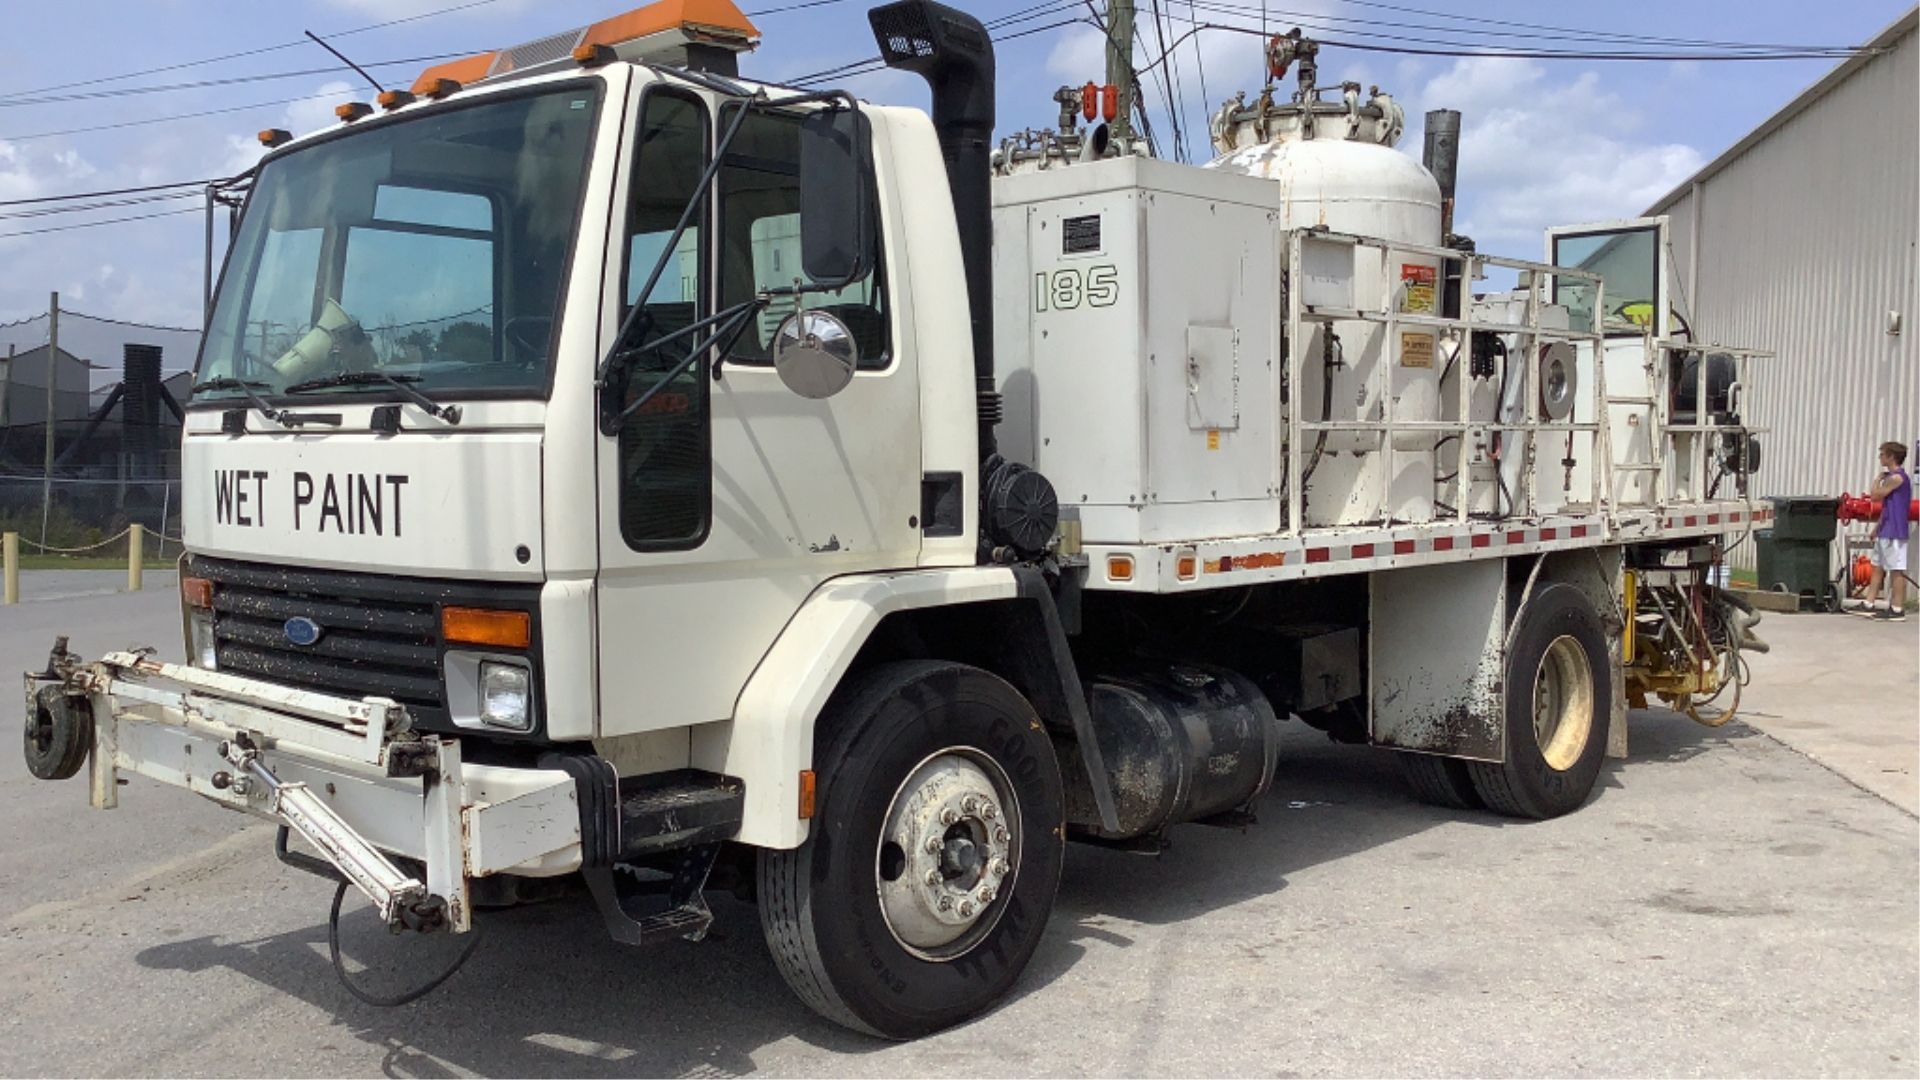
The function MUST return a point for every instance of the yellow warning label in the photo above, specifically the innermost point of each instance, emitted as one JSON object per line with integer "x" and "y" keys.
{"x": 1419, "y": 285}
{"x": 1213, "y": 439}
{"x": 1416, "y": 350}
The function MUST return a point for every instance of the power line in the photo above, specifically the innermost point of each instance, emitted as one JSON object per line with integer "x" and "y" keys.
{"x": 244, "y": 52}
{"x": 1481, "y": 49}
{"x": 170, "y": 118}
{"x": 101, "y": 194}
{"x": 783, "y": 9}
{"x": 1322, "y": 24}
{"x": 102, "y": 221}
{"x": 105, "y": 204}
{"x": 1597, "y": 35}
{"x": 130, "y": 91}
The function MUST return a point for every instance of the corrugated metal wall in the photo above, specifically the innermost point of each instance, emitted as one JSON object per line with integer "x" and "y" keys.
{"x": 1806, "y": 242}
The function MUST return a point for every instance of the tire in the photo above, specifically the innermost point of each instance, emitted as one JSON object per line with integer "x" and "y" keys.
{"x": 58, "y": 734}
{"x": 931, "y": 729}
{"x": 1557, "y": 666}
{"x": 1439, "y": 781}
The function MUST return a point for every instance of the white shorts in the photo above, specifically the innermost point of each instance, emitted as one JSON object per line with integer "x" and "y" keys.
{"x": 1889, "y": 554}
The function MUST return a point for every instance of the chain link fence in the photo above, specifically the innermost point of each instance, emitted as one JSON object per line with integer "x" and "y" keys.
{"x": 90, "y": 415}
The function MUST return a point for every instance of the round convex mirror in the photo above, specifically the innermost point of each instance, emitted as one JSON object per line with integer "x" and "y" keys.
{"x": 1557, "y": 381}
{"x": 814, "y": 354}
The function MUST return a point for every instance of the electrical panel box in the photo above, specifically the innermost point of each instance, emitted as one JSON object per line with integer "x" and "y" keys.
{"x": 1137, "y": 339}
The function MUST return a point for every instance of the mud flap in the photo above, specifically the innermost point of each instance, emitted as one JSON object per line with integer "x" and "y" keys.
{"x": 1435, "y": 653}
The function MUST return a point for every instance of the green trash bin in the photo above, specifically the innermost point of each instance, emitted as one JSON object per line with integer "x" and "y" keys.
{"x": 1791, "y": 564}
{"x": 1805, "y": 517}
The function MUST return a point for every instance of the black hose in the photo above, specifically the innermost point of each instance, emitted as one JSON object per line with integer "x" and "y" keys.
{"x": 1328, "y": 341}
{"x": 340, "y": 969}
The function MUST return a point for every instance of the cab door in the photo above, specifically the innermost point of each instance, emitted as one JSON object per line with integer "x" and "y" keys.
{"x": 726, "y": 499}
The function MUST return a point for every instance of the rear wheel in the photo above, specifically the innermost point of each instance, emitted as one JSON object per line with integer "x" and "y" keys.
{"x": 935, "y": 853}
{"x": 1439, "y": 781}
{"x": 1558, "y": 700}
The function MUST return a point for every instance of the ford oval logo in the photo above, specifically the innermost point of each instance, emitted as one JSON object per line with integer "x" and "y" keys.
{"x": 301, "y": 630}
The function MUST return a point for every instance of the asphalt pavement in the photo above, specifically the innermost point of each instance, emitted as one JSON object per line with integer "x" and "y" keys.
{"x": 1726, "y": 905}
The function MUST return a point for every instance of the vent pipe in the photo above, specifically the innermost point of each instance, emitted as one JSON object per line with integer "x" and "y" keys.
{"x": 1442, "y": 159}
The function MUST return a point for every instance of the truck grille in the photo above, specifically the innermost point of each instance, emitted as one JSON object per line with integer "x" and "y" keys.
{"x": 379, "y": 635}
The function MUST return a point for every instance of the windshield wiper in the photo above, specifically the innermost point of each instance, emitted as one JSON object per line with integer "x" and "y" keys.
{"x": 448, "y": 413}
{"x": 283, "y": 417}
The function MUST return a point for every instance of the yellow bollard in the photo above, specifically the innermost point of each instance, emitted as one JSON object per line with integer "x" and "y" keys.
{"x": 10, "y": 555}
{"x": 136, "y": 554}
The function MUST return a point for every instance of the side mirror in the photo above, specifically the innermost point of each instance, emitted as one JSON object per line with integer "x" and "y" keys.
{"x": 835, "y": 230}
{"x": 814, "y": 354}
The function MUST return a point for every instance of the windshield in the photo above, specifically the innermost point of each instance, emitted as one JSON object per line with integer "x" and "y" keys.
{"x": 429, "y": 249}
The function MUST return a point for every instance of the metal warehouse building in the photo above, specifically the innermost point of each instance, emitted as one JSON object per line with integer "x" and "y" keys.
{"x": 1801, "y": 239}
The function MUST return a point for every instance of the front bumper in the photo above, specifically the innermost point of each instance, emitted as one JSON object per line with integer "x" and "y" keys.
{"x": 350, "y": 776}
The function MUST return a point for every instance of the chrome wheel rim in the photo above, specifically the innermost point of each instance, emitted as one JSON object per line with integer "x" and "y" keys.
{"x": 948, "y": 854}
{"x": 1563, "y": 700}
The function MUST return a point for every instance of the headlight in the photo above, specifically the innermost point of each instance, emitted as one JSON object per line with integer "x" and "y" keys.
{"x": 504, "y": 693}
{"x": 200, "y": 639}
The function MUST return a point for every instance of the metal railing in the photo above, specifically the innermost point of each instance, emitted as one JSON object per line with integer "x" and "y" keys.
{"x": 1390, "y": 316}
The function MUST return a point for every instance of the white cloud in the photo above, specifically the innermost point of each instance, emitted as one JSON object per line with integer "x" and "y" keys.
{"x": 1537, "y": 151}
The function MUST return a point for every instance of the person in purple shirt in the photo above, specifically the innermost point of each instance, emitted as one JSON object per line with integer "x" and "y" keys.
{"x": 1894, "y": 489}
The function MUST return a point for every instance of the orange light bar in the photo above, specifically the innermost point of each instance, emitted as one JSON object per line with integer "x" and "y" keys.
{"x": 272, "y": 137}
{"x": 351, "y": 111}
{"x": 457, "y": 72}
{"x": 436, "y": 88}
{"x": 393, "y": 99}
{"x": 806, "y": 794}
{"x": 196, "y": 592}
{"x": 716, "y": 18}
{"x": 484, "y": 626}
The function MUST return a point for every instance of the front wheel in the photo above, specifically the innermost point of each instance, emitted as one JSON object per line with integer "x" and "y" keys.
{"x": 935, "y": 853}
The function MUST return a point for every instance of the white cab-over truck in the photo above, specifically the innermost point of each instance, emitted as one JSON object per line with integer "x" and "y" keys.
{"x": 605, "y": 472}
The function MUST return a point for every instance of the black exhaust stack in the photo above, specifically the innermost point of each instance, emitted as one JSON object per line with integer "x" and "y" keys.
{"x": 1441, "y": 156}
{"x": 954, "y": 53}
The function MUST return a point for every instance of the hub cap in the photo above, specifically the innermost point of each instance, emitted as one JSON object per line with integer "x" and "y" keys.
{"x": 949, "y": 850}
{"x": 1563, "y": 703}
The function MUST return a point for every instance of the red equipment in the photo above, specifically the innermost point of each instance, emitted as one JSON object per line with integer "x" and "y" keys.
{"x": 1862, "y": 508}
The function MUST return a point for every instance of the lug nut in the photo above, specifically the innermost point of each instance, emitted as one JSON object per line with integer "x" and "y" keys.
{"x": 948, "y": 817}
{"x": 1001, "y": 834}
{"x": 989, "y": 812}
{"x": 966, "y": 908}
{"x": 970, "y": 805}
{"x": 933, "y": 877}
{"x": 986, "y": 895}
{"x": 946, "y": 904}
{"x": 1000, "y": 867}
{"x": 933, "y": 845}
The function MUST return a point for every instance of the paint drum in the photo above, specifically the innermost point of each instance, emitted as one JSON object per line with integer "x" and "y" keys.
{"x": 1182, "y": 743}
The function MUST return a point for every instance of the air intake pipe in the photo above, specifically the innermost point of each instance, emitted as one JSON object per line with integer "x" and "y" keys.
{"x": 953, "y": 52}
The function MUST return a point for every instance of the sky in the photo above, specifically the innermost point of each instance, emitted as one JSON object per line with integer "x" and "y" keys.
{"x": 1544, "y": 141}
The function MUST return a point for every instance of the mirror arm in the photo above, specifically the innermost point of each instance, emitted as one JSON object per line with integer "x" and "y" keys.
{"x": 729, "y": 324}
{"x": 694, "y": 203}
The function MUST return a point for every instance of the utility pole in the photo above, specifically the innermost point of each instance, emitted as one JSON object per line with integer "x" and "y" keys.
{"x": 1120, "y": 68}
{"x": 53, "y": 378}
{"x": 6, "y": 387}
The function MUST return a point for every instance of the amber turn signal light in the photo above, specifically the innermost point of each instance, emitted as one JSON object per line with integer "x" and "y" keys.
{"x": 351, "y": 111}
{"x": 196, "y": 592}
{"x": 484, "y": 626}
{"x": 273, "y": 137}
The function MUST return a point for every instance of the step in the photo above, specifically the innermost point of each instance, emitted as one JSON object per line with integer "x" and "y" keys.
{"x": 678, "y": 810}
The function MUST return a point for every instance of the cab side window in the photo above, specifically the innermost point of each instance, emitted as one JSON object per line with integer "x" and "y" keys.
{"x": 666, "y": 481}
{"x": 759, "y": 187}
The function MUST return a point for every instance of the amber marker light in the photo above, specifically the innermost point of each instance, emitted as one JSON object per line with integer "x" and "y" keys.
{"x": 485, "y": 626}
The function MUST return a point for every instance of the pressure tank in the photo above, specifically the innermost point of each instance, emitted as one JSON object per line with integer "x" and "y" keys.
{"x": 1334, "y": 160}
